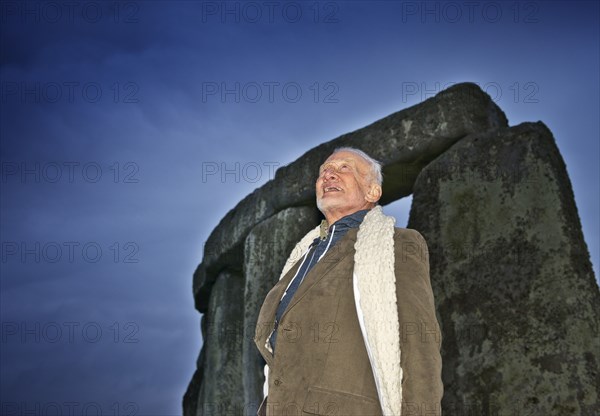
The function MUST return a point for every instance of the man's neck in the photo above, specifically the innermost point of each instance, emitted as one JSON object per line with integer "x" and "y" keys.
{"x": 333, "y": 217}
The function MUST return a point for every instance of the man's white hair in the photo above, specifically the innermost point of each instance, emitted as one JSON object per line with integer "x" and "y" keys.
{"x": 375, "y": 174}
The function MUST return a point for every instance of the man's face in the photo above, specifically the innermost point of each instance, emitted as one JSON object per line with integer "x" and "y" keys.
{"x": 343, "y": 184}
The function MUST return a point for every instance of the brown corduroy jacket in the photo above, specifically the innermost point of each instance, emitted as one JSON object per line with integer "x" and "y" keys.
{"x": 323, "y": 364}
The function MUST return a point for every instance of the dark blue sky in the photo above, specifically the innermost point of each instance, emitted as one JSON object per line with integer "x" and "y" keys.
{"x": 128, "y": 130}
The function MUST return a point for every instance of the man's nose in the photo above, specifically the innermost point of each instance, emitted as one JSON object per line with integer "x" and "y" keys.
{"x": 329, "y": 172}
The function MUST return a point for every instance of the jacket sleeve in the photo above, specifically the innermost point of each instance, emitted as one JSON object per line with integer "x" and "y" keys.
{"x": 420, "y": 335}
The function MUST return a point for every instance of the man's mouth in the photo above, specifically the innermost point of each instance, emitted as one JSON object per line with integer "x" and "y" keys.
{"x": 328, "y": 189}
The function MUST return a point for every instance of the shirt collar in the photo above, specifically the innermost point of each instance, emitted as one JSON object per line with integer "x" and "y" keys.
{"x": 349, "y": 221}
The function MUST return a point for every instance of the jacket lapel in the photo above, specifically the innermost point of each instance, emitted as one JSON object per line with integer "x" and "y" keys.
{"x": 267, "y": 314}
{"x": 266, "y": 317}
{"x": 278, "y": 291}
{"x": 334, "y": 255}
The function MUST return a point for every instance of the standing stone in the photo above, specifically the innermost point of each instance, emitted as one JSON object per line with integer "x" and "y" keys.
{"x": 515, "y": 292}
{"x": 192, "y": 394}
{"x": 221, "y": 385}
{"x": 266, "y": 249}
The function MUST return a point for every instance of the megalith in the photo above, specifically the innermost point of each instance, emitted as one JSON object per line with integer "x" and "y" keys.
{"x": 221, "y": 390}
{"x": 515, "y": 292}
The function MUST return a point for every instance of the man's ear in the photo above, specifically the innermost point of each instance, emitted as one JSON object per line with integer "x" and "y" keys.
{"x": 374, "y": 193}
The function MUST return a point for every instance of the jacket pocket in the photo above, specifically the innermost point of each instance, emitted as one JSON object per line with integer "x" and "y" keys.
{"x": 321, "y": 401}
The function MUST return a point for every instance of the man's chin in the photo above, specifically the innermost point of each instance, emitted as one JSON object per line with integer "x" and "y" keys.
{"x": 325, "y": 203}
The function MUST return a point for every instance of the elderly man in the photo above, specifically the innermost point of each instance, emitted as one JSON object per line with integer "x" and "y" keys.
{"x": 353, "y": 329}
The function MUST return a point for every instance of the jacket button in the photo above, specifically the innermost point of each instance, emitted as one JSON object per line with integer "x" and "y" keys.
{"x": 277, "y": 382}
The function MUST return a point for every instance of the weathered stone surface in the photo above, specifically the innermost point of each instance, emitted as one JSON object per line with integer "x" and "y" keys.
{"x": 192, "y": 394}
{"x": 515, "y": 292}
{"x": 221, "y": 382}
{"x": 266, "y": 249}
{"x": 404, "y": 142}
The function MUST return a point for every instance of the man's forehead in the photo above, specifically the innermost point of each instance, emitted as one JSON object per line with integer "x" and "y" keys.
{"x": 344, "y": 157}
